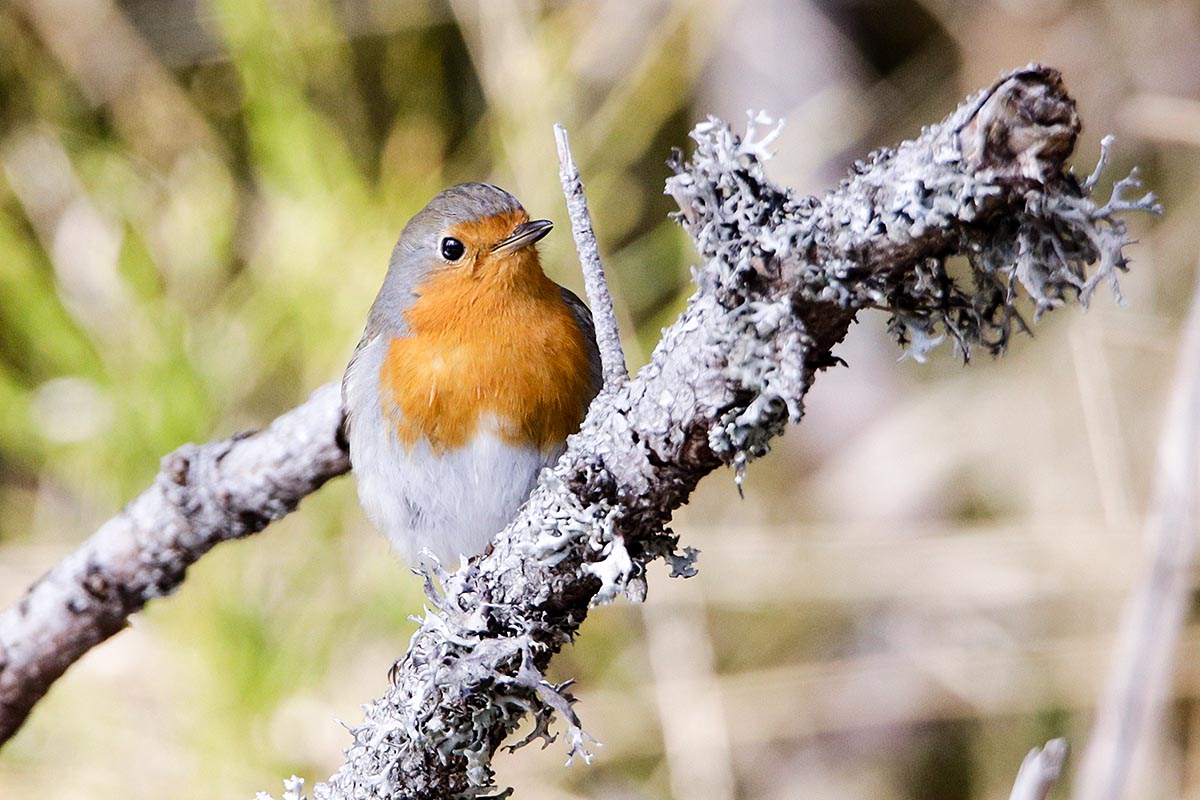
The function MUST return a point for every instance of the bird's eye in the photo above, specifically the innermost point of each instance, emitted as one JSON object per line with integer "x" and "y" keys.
{"x": 452, "y": 249}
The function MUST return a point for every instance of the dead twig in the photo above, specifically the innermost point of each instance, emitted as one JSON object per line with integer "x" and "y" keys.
{"x": 608, "y": 337}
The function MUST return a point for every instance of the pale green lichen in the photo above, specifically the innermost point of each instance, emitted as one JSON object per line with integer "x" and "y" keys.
{"x": 293, "y": 789}
{"x": 741, "y": 223}
{"x": 1059, "y": 247}
{"x": 471, "y": 672}
{"x": 767, "y": 250}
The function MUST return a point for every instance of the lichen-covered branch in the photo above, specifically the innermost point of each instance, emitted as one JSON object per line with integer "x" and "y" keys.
{"x": 203, "y": 495}
{"x": 782, "y": 279}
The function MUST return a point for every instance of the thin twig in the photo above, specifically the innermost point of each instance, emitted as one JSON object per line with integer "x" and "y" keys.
{"x": 1039, "y": 771}
{"x": 608, "y": 338}
{"x": 1139, "y": 683}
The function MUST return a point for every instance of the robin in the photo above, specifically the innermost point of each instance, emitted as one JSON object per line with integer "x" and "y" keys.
{"x": 473, "y": 370}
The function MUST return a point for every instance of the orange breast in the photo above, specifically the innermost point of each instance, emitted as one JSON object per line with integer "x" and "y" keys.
{"x": 504, "y": 346}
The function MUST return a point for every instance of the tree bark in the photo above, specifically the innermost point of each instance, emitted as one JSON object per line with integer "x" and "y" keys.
{"x": 202, "y": 496}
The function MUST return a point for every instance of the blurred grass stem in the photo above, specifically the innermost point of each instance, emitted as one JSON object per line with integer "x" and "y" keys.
{"x": 1130, "y": 711}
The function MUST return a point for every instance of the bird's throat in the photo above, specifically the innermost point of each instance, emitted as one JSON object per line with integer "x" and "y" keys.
{"x": 482, "y": 349}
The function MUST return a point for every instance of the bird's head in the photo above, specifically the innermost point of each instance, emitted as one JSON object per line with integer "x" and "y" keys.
{"x": 474, "y": 229}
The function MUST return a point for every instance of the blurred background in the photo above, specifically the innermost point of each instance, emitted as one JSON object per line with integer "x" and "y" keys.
{"x": 198, "y": 199}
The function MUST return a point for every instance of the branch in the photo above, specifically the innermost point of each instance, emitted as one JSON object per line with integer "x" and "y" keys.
{"x": 608, "y": 338}
{"x": 203, "y": 495}
{"x": 783, "y": 277}
{"x": 782, "y": 280}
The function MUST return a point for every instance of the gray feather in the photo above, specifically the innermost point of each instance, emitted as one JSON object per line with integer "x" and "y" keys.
{"x": 583, "y": 316}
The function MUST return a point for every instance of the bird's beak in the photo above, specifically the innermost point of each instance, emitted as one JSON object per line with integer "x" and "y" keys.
{"x": 524, "y": 235}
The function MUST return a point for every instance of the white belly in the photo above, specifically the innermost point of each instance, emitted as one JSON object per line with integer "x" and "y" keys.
{"x": 450, "y": 503}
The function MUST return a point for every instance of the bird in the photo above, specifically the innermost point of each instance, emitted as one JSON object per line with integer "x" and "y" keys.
{"x": 472, "y": 371}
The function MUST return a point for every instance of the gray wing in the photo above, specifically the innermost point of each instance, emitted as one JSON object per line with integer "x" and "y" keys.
{"x": 347, "y": 404}
{"x": 385, "y": 321}
{"x": 583, "y": 316}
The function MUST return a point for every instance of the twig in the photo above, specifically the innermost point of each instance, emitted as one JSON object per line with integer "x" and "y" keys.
{"x": 1039, "y": 771}
{"x": 1139, "y": 682}
{"x": 203, "y": 495}
{"x": 608, "y": 337}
